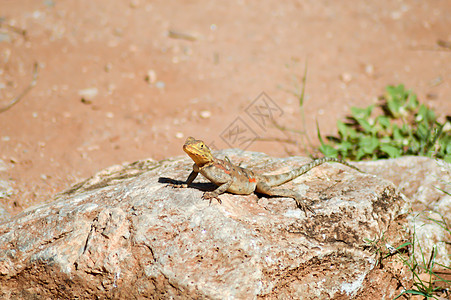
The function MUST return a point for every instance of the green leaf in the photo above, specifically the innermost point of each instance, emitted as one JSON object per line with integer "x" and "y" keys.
{"x": 423, "y": 132}
{"x": 345, "y": 146}
{"x": 448, "y": 146}
{"x": 328, "y": 150}
{"x": 318, "y": 132}
{"x": 343, "y": 129}
{"x": 369, "y": 144}
{"x": 390, "y": 150}
{"x": 360, "y": 154}
{"x": 394, "y": 106}
{"x": 412, "y": 103}
{"x": 384, "y": 121}
{"x": 367, "y": 127}
{"x": 403, "y": 245}
{"x": 361, "y": 113}
{"x": 425, "y": 114}
{"x": 397, "y": 134}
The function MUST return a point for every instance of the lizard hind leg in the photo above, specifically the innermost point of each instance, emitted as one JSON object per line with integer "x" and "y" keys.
{"x": 278, "y": 192}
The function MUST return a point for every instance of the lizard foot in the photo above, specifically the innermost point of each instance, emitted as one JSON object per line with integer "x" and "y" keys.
{"x": 304, "y": 206}
{"x": 210, "y": 196}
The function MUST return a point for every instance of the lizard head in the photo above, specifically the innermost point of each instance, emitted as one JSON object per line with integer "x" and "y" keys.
{"x": 198, "y": 151}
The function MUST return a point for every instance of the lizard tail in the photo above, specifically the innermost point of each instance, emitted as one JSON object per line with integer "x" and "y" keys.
{"x": 275, "y": 180}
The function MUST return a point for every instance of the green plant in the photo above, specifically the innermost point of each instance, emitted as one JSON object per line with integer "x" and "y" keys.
{"x": 402, "y": 127}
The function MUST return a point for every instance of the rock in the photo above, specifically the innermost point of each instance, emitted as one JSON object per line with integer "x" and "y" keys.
{"x": 125, "y": 233}
{"x": 423, "y": 181}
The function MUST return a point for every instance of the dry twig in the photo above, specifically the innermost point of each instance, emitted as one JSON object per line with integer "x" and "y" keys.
{"x": 24, "y": 92}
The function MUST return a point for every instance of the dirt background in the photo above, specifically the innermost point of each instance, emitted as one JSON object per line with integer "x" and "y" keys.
{"x": 126, "y": 80}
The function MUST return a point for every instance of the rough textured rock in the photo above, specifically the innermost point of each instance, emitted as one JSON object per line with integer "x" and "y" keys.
{"x": 126, "y": 233}
{"x": 423, "y": 181}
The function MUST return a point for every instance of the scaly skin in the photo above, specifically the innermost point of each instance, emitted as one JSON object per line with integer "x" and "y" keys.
{"x": 237, "y": 180}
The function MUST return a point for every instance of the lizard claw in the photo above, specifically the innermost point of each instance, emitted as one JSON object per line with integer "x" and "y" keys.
{"x": 304, "y": 207}
{"x": 210, "y": 196}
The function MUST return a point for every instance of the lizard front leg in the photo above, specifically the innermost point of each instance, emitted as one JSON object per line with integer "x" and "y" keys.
{"x": 268, "y": 190}
{"x": 191, "y": 177}
{"x": 218, "y": 191}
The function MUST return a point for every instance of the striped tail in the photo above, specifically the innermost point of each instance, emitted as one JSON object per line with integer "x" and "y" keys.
{"x": 275, "y": 180}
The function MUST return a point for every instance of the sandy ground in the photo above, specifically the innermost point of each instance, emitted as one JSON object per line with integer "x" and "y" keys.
{"x": 126, "y": 80}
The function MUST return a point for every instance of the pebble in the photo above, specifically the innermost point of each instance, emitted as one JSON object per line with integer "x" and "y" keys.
{"x": 151, "y": 76}
{"x": 346, "y": 77}
{"x": 369, "y": 69}
{"x": 205, "y": 114}
{"x": 179, "y": 135}
{"x": 89, "y": 93}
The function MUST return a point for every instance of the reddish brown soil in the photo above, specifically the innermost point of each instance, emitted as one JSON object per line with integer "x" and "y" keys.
{"x": 155, "y": 89}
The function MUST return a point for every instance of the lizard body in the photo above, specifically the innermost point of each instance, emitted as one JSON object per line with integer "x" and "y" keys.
{"x": 237, "y": 180}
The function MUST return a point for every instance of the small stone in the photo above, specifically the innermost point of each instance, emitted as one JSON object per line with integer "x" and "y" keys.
{"x": 110, "y": 115}
{"x": 6, "y": 138}
{"x": 151, "y": 77}
{"x": 43, "y": 177}
{"x": 205, "y": 114}
{"x": 369, "y": 69}
{"x": 346, "y": 77}
{"x": 88, "y": 94}
{"x": 179, "y": 135}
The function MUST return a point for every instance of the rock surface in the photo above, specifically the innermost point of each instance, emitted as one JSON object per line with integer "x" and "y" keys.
{"x": 423, "y": 181}
{"x": 126, "y": 233}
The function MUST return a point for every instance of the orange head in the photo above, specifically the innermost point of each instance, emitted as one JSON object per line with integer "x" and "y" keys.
{"x": 198, "y": 151}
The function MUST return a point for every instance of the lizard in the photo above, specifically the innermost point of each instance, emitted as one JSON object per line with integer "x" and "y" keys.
{"x": 242, "y": 181}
